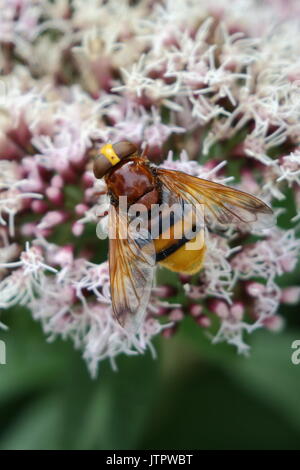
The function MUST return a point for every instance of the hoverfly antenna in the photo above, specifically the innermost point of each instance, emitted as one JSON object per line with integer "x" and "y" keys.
{"x": 110, "y": 155}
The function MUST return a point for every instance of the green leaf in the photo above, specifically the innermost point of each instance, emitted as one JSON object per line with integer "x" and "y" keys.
{"x": 201, "y": 406}
{"x": 31, "y": 362}
{"x": 119, "y": 406}
{"x": 269, "y": 374}
{"x": 37, "y": 427}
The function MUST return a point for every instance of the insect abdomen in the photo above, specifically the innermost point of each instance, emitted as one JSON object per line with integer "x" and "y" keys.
{"x": 184, "y": 254}
{"x": 184, "y": 260}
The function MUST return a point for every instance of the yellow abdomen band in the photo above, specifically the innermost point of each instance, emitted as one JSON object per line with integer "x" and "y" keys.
{"x": 109, "y": 153}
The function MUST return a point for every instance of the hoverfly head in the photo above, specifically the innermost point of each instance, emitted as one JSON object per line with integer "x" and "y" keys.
{"x": 110, "y": 155}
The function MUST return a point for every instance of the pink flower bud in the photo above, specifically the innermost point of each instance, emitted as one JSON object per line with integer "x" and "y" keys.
{"x": 195, "y": 292}
{"x": 63, "y": 256}
{"x": 288, "y": 263}
{"x": 57, "y": 181}
{"x": 69, "y": 175}
{"x": 290, "y": 295}
{"x": 220, "y": 308}
{"x": 204, "y": 321}
{"x": 274, "y": 323}
{"x": 176, "y": 314}
{"x": 88, "y": 179}
{"x": 89, "y": 194}
{"x": 81, "y": 209}
{"x": 237, "y": 310}
{"x": 55, "y": 195}
{"x": 255, "y": 289}
{"x": 195, "y": 310}
{"x": 38, "y": 206}
{"x": 28, "y": 230}
{"x": 165, "y": 291}
{"x": 52, "y": 218}
{"x": 169, "y": 332}
{"x": 77, "y": 229}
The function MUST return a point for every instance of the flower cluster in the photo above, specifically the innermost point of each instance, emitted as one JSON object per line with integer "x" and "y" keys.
{"x": 213, "y": 89}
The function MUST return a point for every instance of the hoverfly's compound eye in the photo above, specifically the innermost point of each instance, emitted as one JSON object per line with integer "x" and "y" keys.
{"x": 109, "y": 155}
{"x": 124, "y": 149}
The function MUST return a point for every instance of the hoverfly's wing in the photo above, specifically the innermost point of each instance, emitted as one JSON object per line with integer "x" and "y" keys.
{"x": 222, "y": 205}
{"x": 131, "y": 266}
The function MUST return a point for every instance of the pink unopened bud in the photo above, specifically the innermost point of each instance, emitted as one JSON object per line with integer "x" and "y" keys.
{"x": 237, "y": 310}
{"x": 165, "y": 291}
{"x": 195, "y": 292}
{"x": 274, "y": 323}
{"x": 290, "y": 295}
{"x": 169, "y": 332}
{"x": 63, "y": 256}
{"x": 195, "y": 310}
{"x": 38, "y": 206}
{"x": 55, "y": 195}
{"x": 52, "y": 218}
{"x": 294, "y": 76}
{"x": 288, "y": 263}
{"x": 220, "y": 308}
{"x": 69, "y": 175}
{"x": 28, "y": 230}
{"x": 255, "y": 289}
{"x": 89, "y": 194}
{"x": 204, "y": 321}
{"x": 88, "y": 179}
{"x": 77, "y": 229}
{"x": 57, "y": 181}
{"x": 81, "y": 209}
{"x": 176, "y": 314}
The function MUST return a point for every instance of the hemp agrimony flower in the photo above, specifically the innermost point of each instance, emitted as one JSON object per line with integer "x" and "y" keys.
{"x": 212, "y": 90}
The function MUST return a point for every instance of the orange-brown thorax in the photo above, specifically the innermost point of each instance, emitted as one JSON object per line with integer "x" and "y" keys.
{"x": 135, "y": 179}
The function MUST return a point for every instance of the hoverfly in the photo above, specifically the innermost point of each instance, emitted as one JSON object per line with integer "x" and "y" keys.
{"x": 132, "y": 260}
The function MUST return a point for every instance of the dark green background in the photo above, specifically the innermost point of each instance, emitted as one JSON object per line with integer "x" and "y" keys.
{"x": 195, "y": 395}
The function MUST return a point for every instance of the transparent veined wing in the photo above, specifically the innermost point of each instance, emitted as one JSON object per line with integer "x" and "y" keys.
{"x": 131, "y": 266}
{"x": 222, "y": 205}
